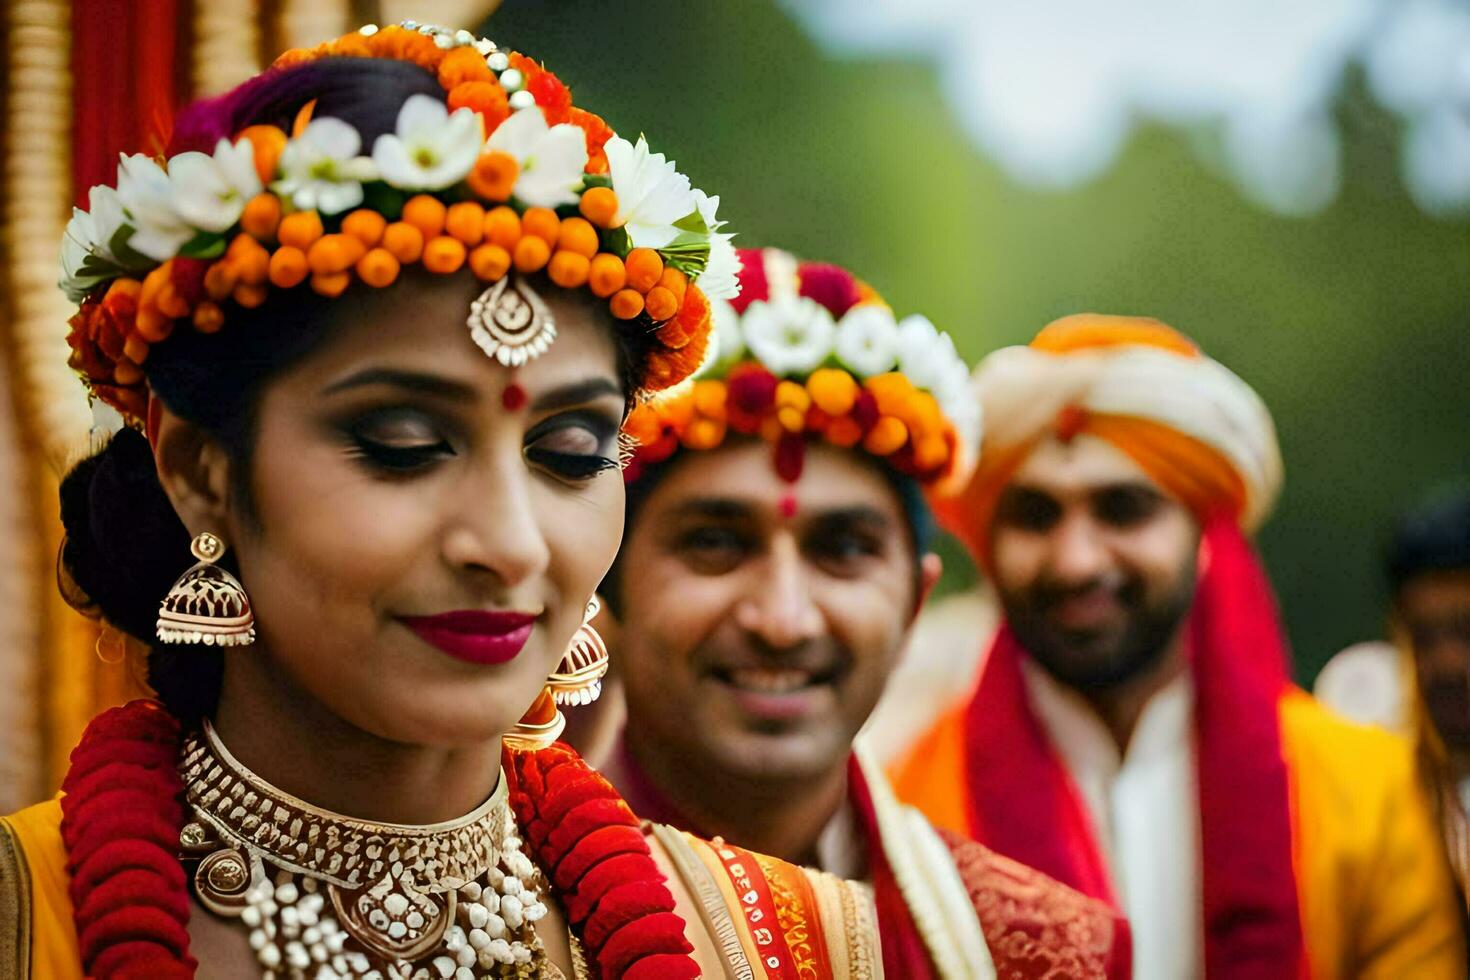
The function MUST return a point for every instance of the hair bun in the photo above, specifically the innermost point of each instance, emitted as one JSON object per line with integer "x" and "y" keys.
{"x": 124, "y": 544}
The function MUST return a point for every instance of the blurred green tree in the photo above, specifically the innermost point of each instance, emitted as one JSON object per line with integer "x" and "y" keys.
{"x": 1351, "y": 324}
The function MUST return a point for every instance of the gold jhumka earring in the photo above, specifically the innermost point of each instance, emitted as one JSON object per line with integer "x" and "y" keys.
{"x": 576, "y": 680}
{"x": 207, "y": 604}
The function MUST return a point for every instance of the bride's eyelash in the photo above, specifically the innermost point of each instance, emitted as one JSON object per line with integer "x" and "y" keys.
{"x": 398, "y": 459}
{"x": 574, "y": 466}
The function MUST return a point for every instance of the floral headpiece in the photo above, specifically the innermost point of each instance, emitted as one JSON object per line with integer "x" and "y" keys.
{"x": 506, "y": 176}
{"x": 809, "y": 351}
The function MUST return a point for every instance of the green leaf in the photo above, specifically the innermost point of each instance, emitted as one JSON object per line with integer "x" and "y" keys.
{"x": 387, "y": 201}
{"x": 616, "y": 241}
{"x": 596, "y": 180}
{"x": 205, "y": 245}
{"x": 693, "y": 222}
{"x": 128, "y": 258}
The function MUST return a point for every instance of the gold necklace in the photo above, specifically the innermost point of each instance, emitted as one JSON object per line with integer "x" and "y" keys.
{"x": 327, "y": 896}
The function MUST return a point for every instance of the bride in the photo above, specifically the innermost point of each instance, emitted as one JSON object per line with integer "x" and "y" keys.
{"x": 374, "y": 326}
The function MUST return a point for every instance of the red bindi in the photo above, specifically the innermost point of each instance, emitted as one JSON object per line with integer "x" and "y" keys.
{"x": 788, "y": 506}
{"x": 513, "y": 397}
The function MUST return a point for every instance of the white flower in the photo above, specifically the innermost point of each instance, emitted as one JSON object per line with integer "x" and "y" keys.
{"x": 721, "y": 276}
{"x": 867, "y": 340}
{"x": 89, "y": 235}
{"x": 432, "y": 149}
{"x": 321, "y": 169}
{"x": 210, "y": 192}
{"x": 652, "y": 195}
{"x": 790, "y": 336}
{"x": 552, "y": 158}
{"x": 729, "y": 343}
{"x": 922, "y": 354}
{"x": 148, "y": 195}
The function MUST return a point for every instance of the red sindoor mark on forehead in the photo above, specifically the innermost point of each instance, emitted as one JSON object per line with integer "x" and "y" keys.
{"x": 514, "y": 397}
{"x": 1070, "y": 422}
{"x": 787, "y": 506}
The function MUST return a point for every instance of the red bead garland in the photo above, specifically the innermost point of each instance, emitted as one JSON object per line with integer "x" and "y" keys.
{"x": 121, "y": 815}
{"x": 582, "y": 832}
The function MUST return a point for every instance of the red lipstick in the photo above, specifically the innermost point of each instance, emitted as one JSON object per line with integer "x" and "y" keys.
{"x": 475, "y": 637}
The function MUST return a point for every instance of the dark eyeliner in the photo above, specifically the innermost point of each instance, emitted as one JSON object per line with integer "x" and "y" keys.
{"x": 398, "y": 458}
{"x": 573, "y": 466}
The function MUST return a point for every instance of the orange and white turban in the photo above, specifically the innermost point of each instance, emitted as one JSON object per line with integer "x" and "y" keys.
{"x": 1189, "y": 422}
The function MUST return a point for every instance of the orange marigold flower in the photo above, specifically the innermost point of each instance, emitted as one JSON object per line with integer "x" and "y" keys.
{"x": 607, "y": 275}
{"x": 443, "y": 255}
{"x": 626, "y": 304}
{"x": 598, "y": 133}
{"x": 893, "y": 391}
{"x": 568, "y": 269}
{"x": 503, "y": 227}
{"x": 352, "y": 45}
{"x": 404, "y": 241}
{"x": 692, "y": 320}
{"x": 577, "y": 235}
{"x": 288, "y": 267}
{"x": 643, "y": 425}
{"x": 599, "y": 205}
{"x": 833, "y": 390}
{"x": 261, "y": 216}
{"x": 250, "y": 296}
{"x": 220, "y": 280}
{"x": 644, "y": 267}
{"x": 466, "y": 221}
{"x": 266, "y": 144}
{"x": 378, "y": 268}
{"x": 461, "y": 65}
{"x": 208, "y": 317}
{"x": 887, "y": 436}
{"x": 299, "y": 230}
{"x": 331, "y": 254}
{"x": 332, "y": 284}
{"x": 486, "y": 98}
{"x": 293, "y": 56}
{"x": 489, "y": 262}
{"x": 494, "y": 175}
{"x": 668, "y": 368}
{"x": 426, "y": 213}
{"x": 709, "y": 398}
{"x": 703, "y": 434}
{"x": 406, "y": 45}
{"x": 661, "y": 304}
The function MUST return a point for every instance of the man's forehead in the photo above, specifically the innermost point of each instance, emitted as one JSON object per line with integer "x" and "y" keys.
{"x": 1079, "y": 465}
{"x": 742, "y": 474}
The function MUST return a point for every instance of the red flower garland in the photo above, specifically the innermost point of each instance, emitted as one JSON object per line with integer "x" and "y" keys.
{"x": 121, "y": 817}
{"x": 582, "y": 832}
{"x": 123, "y": 809}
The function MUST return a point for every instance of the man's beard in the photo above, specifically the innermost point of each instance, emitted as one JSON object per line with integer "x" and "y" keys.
{"x": 1447, "y": 699}
{"x": 1095, "y": 659}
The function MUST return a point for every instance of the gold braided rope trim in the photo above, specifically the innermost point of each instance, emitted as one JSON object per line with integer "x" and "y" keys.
{"x": 37, "y": 185}
{"x": 226, "y": 45}
{"x": 302, "y": 23}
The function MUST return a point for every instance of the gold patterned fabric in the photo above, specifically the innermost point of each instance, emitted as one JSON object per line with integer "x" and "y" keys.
{"x": 1036, "y": 928}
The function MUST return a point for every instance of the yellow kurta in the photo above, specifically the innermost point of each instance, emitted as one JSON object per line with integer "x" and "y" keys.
{"x": 1373, "y": 883}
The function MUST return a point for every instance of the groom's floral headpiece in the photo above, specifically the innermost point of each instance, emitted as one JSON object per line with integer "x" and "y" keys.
{"x": 504, "y": 176}
{"x": 808, "y": 351}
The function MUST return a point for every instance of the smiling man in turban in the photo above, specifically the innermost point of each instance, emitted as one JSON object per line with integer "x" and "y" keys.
{"x": 1134, "y": 731}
